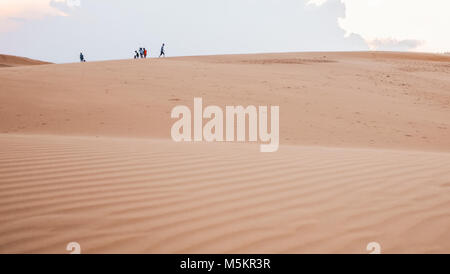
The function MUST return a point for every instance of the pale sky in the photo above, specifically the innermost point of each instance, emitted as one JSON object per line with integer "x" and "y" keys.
{"x": 57, "y": 30}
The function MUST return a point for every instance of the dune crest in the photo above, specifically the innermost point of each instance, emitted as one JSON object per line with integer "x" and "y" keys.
{"x": 15, "y": 61}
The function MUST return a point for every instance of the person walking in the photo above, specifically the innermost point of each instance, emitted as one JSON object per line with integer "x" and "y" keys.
{"x": 162, "y": 51}
{"x": 145, "y": 53}
{"x": 136, "y": 54}
{"x": 82, "y": 57}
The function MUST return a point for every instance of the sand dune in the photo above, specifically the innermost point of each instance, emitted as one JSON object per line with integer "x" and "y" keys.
{"x": 350, "y": 99}
{"x": 364, "y": 156}
{"x": 124, "y": 195}
{"x": 15, "y": 61}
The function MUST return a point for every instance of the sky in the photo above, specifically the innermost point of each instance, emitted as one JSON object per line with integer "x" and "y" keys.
{"x": 57, "y": 30}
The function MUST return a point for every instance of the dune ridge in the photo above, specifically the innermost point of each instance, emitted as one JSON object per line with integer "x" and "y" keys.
{"x": 16, "y": 61}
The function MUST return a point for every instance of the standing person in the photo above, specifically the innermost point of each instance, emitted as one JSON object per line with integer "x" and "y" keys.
{"x": 145, "y": 53}
{"x": 136, "y": 54}
{"x": 162, "y": 51}
{"x": 82, "y": 57}
{"x": 140, "y": 52}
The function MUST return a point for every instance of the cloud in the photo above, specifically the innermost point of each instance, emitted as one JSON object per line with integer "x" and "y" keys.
{"x": 400, "y": 20}
{"x": 394, "y": 45}
{"x": 14, "y": 13}
{"x": 66, "y": 6}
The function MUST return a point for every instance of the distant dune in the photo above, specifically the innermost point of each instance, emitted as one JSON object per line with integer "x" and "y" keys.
{"x": 364, "y": 157}
{"x": 15, "y": 61}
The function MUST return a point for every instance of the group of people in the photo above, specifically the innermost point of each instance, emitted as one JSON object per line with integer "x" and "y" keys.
{"x": 142, "y": 52}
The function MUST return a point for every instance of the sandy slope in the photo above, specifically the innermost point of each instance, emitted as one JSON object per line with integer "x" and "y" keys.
{"x": 15, "y": 61}
{"x": 364, "y": 156}
{"x": 331, "y": 99}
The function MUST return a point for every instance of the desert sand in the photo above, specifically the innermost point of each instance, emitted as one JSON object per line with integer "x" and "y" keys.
{"x": 86, "y": 156}
{"x": 15, "y": 61}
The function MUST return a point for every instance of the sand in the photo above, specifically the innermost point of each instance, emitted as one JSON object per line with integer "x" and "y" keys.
{"x": 86, "y": 156}
{"x": 15, "y": 61}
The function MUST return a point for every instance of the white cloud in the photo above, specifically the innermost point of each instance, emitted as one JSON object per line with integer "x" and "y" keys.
{"x": 394, "y": 45}
{"x": 427, "y": 21}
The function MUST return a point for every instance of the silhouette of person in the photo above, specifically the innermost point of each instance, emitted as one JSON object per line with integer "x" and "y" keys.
{"x": 162, "y": 51}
